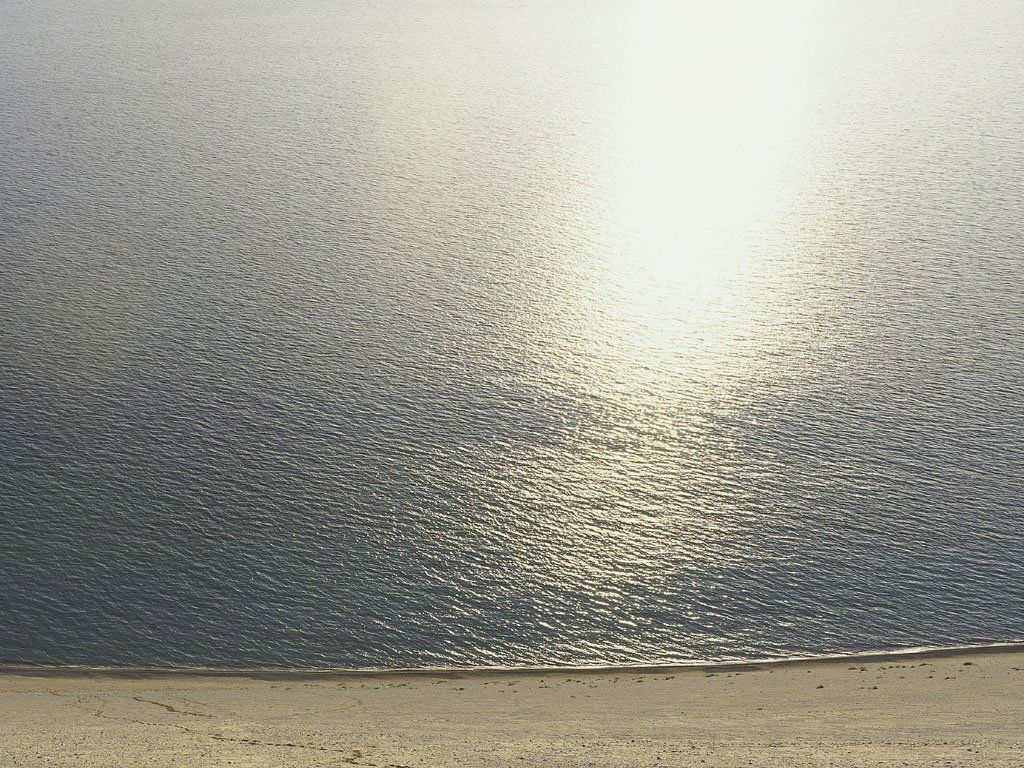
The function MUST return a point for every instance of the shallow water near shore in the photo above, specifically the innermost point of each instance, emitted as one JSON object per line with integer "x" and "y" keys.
{"x": 341, "y": 674}
{"x": 490, "y": 334}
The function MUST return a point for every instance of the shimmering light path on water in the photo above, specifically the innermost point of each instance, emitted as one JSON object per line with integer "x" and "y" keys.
{"x": 389, "y": 334}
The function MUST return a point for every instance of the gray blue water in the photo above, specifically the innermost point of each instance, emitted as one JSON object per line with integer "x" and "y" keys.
{"x": 349, "y": 333}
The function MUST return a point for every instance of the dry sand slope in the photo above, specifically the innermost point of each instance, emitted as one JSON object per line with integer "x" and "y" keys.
{"x": 962, "y": 709}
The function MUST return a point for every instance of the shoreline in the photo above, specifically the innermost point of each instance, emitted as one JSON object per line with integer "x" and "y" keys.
{"x": 922, "y": 708}
{"x": 329, "y": 673}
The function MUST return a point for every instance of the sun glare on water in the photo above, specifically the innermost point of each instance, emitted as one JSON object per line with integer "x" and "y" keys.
{"x": 697, "y": 162}
{"x": 696, "y": 157}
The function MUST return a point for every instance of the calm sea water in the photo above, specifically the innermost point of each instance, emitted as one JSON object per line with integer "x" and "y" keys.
{"x": 361, "y": 333}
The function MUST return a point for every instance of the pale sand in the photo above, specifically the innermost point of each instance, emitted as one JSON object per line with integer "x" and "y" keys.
{"x": 964, "y": 709}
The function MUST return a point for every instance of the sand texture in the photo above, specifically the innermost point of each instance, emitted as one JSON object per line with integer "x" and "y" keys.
{"x": 961, "y": 709}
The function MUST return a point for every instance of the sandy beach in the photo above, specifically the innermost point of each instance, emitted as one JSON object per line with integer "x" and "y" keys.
{"x": 963, "y": 708}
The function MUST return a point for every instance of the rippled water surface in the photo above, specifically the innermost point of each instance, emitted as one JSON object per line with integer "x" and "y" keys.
{"x": 364, "y": 333}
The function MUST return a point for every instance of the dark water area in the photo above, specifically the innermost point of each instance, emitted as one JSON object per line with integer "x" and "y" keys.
{"x": 385, "y": 335}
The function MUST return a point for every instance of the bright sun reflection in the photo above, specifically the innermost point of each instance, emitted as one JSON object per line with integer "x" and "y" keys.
{"x": 695, "y": 159}
{"x": 692, "y": 152}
